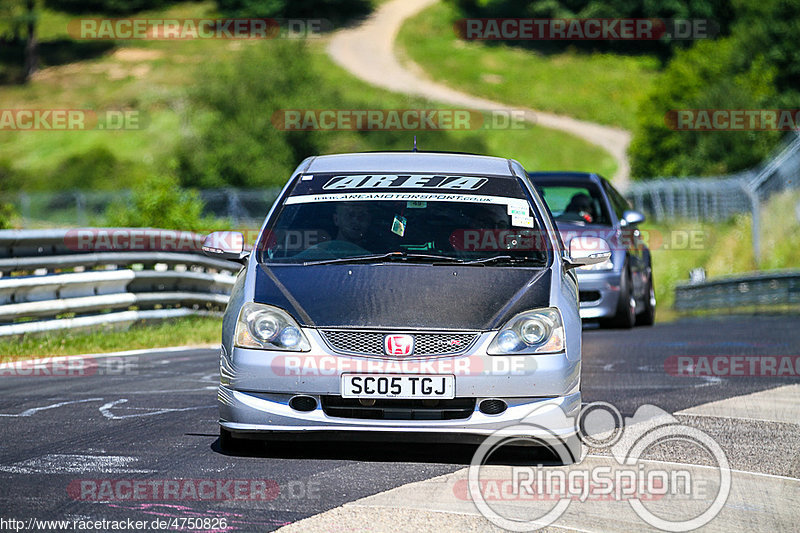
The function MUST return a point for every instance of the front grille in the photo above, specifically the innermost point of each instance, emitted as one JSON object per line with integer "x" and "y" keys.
{"x": 371, "y": 342}
{"x": 453, "y": 409}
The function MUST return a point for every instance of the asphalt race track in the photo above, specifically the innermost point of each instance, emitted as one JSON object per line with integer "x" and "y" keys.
{"x": 152, "y": 417}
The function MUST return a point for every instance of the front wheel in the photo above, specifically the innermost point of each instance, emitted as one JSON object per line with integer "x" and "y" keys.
{"x": 625, "y": 316}
{"x": 648, "y": 315}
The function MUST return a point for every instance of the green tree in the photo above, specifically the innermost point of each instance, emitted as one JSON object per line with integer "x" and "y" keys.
{"x": 757, "y": 67}
{"x": 18, "y": 20}
{"x": 232, "y": 140}
{"x": 718, "y": 12}
{"x": 706, "y": 76}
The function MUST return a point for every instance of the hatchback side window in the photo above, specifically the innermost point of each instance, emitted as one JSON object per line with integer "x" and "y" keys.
{"x": 618, "y": 202}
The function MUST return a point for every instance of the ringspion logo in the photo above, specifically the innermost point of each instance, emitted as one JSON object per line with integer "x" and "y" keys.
{"x": 527, "y": 498}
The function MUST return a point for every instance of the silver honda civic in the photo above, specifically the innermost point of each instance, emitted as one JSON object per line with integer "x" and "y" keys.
{"x": 404, "y": 295}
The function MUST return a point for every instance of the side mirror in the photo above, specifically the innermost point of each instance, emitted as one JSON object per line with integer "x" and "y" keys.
{"x": 225, "y": 245}
{"x": 631, "y": 218}
{"x": 585, "y": 251}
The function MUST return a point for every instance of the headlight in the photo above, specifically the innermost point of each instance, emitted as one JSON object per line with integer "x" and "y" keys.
{"x": 269, "y": 328}
{"x": 540, "y": 331}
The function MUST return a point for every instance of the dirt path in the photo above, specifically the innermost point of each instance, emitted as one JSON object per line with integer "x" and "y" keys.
{"x": 367, "y": 51}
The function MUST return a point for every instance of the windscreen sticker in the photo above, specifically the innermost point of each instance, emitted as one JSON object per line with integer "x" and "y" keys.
{"x": 307, "y": 178}
{"x": 395, "y": 181}
{"x": 416, "y": 205}
{"x": 399, "y": 225}
{"x": 521, "y": 221}
{"x": 407, "y": 196}
{"x": 518, "y": 210}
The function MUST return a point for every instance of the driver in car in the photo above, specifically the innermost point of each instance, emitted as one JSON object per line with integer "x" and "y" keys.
{"x": 353, "y": 221}
{"x": 581, "y": 204}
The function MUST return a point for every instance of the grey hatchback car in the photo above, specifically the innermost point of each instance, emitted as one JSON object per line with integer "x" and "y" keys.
{"x": 618, "y": 292}
{"x": 408, "y": 294}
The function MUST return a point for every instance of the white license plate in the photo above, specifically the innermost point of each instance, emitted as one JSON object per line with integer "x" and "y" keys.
{"x": 397, "y": 386}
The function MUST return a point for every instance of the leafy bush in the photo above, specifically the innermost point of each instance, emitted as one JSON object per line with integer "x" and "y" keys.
{"x": 160, "y": 202}
{"x": 8, "y": 183}
{"x": 7, "y": 214}
{"x": 96, "y": 168}
{"x": 232, "y": 140}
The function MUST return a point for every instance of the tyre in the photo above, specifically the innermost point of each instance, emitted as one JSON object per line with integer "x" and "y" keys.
{"x": 625, "y": 317}
{"x": 648, "y": 316}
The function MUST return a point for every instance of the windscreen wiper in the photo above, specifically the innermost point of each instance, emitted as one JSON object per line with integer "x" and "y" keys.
{"x": 501, "y": 259}
{"x": 390, "y": 256}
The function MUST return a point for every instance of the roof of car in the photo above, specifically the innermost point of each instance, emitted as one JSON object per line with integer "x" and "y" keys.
{"x": 450, "y": 163}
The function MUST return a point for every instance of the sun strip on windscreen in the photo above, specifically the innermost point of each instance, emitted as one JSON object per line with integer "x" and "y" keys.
{"x": 518, "y": 203}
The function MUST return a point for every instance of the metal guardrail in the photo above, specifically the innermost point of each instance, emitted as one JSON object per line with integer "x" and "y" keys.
{"x": 47, "y": 284}
{"x": 760, "y": 289}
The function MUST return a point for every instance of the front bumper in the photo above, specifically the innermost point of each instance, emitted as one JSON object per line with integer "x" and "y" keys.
{"x": 254, "y": 415}
{"x": 541, "y": 391}
{"x": 599, "y": 294}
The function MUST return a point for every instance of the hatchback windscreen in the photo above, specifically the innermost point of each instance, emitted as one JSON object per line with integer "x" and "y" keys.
{"x": 409, "y": 218}
{"x": 583, "y": 204}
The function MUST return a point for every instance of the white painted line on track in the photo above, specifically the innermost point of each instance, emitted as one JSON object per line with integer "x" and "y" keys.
{"x": 779, "y": 404}
{"x": 106, "y": 410}
{"x": 34, "y": 410}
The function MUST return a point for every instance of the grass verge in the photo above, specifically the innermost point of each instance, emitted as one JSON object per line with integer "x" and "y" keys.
{"x": 599, "y": 87}
{"x": 724, "y": 249}
{"x": 178, "y": 332}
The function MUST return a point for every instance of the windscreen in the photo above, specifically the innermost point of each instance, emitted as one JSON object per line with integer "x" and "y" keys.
{"x": 582, "y": 204}
{"x": 409, "y": 217}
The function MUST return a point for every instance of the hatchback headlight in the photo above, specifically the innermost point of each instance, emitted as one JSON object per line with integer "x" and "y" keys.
{"x": 268, "y": 328}
{"x": 539, "y": 331}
